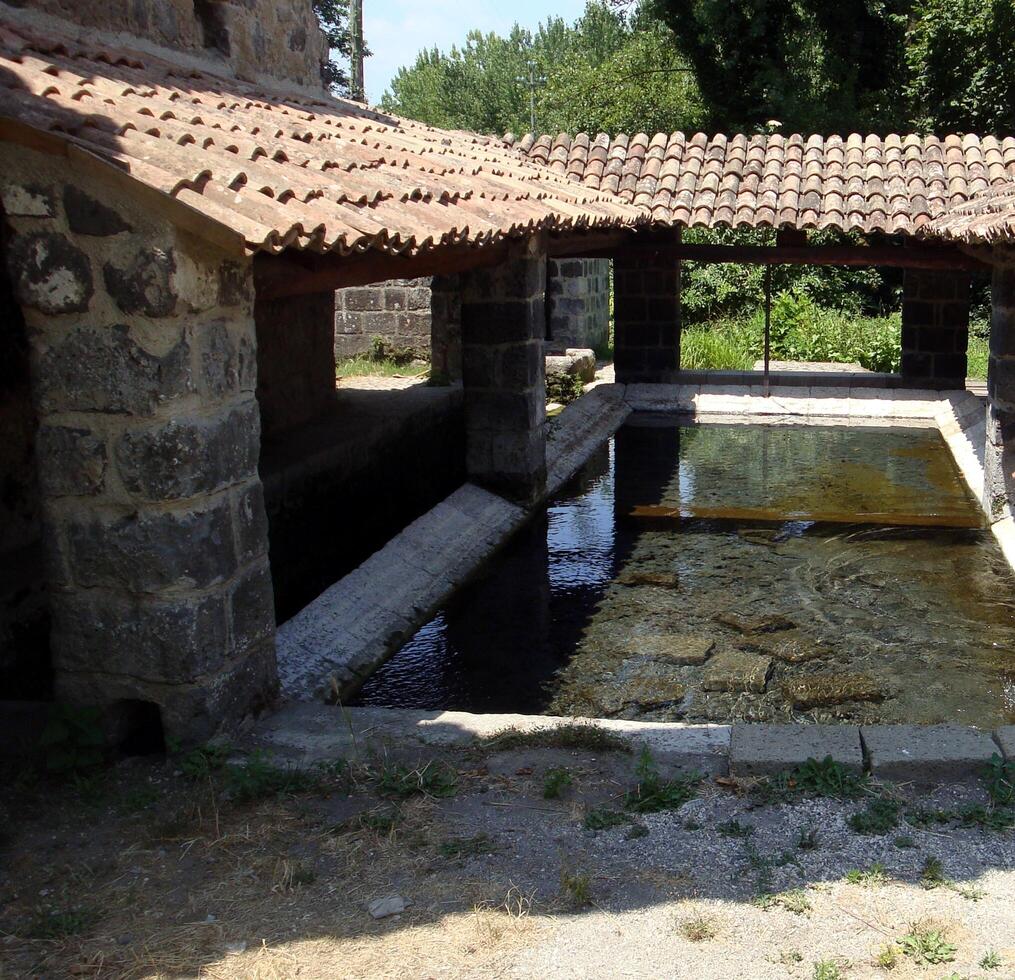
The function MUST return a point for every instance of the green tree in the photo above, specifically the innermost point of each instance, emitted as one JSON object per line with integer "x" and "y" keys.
{"x": 961, "y": 60}
{"x": 333, "y": 16}
{"x": 812, "y": 65}
{"x": 608, "y": 72}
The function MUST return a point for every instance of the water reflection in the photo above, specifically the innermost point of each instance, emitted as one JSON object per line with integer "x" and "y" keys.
{"x": 724, "y": 571}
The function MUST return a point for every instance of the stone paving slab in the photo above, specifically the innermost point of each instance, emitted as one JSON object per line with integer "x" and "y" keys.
{"x": 926, "y": 753}
{"x": 1005, "y": 738}
{"x": 758, "y": 749}
{"x": 306, "y": 734}
{"x": 335, "y": 641}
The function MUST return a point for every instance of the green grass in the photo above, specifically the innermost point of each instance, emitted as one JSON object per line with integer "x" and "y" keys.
{"x": 574, "y": 735}
{"x": 826, "y": 778}
{"x": 826, "y": 970}
{"x": 600, "y": 818}
{"x": 926, "y": 946}
{"x": 555, "y": 781}
{"x": 725, "y": 345}
{"x": 867, "y": 877}
{"x": 433, "y": 779}
{"x": 878, "y": 817}
{"x": 977, "y": 353}
{"x": 359, "y": 367}
{"x": 58, "y": 925}
{"x": 462, "y": 847}
{"x": 653, "y": 793}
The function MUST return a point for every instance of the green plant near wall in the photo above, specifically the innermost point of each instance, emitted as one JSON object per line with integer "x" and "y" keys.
{"x": 72, "y": 740}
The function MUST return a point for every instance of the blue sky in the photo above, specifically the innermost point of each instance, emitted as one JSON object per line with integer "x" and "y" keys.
{"x": 397, "y": 30}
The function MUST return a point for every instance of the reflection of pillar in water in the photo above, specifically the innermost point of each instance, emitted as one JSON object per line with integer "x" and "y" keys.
{"x": 646, "y": 472}
{"x": 499, "y": 628}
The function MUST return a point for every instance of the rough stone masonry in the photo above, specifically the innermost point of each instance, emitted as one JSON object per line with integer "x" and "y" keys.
{"x": 143, "y": 369}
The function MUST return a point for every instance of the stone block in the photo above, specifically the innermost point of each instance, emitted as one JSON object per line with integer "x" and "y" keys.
{"x": 172, "y": 641}
{"x": 251, "y": 522}
{"x": 228, "y": 358}
{"x": 87, "y": 216}
{"x": 737, "y": 670}
{"x": 50, "y": 274}
{"x": 185, "y": 457}
{"x": 362, "y": 299}
{"x": 252, "y": 608}
{"x": 235, "y": 284}
{"x": 504, "y": 322}
{"x": 1005, "y": 738}
{"x": 27, "y": 201}
{"x": 107, "y": 371}
{"x": 152, "y": 552}
{"x": 926, "y": 753}
{"x": 72, "y": 461}
{"x": 765, "y": 750}
{"x": 146, "y": 285}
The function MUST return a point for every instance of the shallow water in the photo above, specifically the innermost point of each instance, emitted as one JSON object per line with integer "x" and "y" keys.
{"x": 717, "y": 572}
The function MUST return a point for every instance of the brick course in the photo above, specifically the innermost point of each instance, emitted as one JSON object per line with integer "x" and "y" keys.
{"x": 935, "y": 327}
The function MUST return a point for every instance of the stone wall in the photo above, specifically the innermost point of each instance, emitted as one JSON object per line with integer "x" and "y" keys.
{"x": 142, "y": 348}
{"x": 425, "y": 314}
{"x": 935, "y": 326}
{"x": 999, "y": 457}
{"x": 24, "y": 624}
{"x": 295, "y": 361}
{"x": 397, "y": 311}
{"x": 578, "y": 297}
{"x": 249, "y": 38}
{"x": 646, "y": 309}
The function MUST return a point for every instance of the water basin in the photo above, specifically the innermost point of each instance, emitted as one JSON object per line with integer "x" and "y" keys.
{"x": 721, "y": 572}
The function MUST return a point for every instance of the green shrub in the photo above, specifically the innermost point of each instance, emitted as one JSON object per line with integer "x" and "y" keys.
{"x": 563, "y": 388}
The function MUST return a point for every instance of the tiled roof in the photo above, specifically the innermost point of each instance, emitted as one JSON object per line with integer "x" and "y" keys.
{"x": 895, "y": 184}
{"x": 988, "y": 218}
{"x": 285, "y": 170}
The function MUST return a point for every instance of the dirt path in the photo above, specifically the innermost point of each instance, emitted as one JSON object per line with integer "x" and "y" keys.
{"x": 189, "y": 867}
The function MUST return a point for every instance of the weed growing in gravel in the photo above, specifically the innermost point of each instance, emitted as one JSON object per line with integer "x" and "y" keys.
{"x": 932, "y": 876}
{"x": 382, "y": 823}
{"x": 734, "y": 828}
{"x": 826, "y": 778}
{"x": 653, "y": 793}
{"x": 577, "y": 735}
{"x": 999, "y": 776}
{"x": 888, "y": 957}
{"x": 826, "y": 970}
{"x": 601, "y": 818}
{"x": 807, "y": 839}
{"x": 259, "y": 779}
{"x": 58, "y": 925}
{"x": 975, "y": 815}
{"x": 462, "y": 847}
{"x": 904, "y": 841}
{"x": 878, "y": 817}
{"x": 691, "y": 824}
{"x": 868, "y": 877}
{"x": 795, "y": 901}
{"x": 555, "y": 781}
{"x": 577, "y": 888}
{"x": 697, "y": 928}
{"x": 990, "y": 960}
{"x": 926, "y": 945}
{"x": 433, "y": 779}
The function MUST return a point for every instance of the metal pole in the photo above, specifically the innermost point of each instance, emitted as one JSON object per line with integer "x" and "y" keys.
{"x": 768, "y": 326}
{"x": 532, "y": 96}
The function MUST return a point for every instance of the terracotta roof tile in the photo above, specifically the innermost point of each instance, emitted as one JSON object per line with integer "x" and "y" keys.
{"x": 895, "y": 184}
{"x": 285, "y": 170}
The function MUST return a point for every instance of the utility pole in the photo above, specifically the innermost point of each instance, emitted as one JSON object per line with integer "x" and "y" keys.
{"x": 356, "y": 86}
{"x": 532, "y": 81}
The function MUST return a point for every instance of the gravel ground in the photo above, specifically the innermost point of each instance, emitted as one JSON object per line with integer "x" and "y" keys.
{"x": 144, "y": 872}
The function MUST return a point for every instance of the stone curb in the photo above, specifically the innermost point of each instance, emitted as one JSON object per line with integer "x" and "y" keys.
{"x": 305, "y": 734}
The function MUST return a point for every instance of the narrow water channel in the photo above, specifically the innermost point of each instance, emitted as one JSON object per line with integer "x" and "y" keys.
{"x": 716, "y": 572}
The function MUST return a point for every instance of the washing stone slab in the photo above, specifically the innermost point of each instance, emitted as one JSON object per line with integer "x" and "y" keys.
{"x": 306, "y": 734}
{"x": 926, "y": 753}
{"x": 1005, "y": 738}
{"x": 759, "y": 749}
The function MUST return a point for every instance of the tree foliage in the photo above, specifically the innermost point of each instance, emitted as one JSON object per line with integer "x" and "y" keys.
{"x": 608, "y": 72}
{"x": 812, "y": 65}
{"x": 333, "y": 16}
{"x": 961, "y": 61}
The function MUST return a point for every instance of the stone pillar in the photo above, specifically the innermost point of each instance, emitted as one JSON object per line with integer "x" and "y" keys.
{"x": 503, "y": 326}
{"x": 646, "y": 315}
{"x": 446, "y": 330}
{"x": 142, "y": 346}
{"x": 295, "y": 359}
{"x": 578, "y": 294}
{"x": 935, "y": 327}
{"x": 999, "y": 455}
